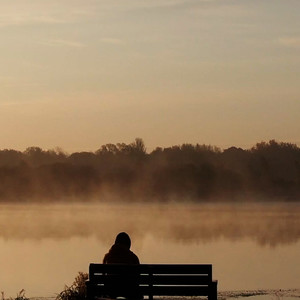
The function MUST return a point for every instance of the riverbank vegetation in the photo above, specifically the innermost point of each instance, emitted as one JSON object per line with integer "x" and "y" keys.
{"x": 77, "y": 291}
{"x": 268, "y": 171}
{"x": 20, "y": 296}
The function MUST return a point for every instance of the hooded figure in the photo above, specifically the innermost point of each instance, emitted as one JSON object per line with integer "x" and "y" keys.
{"x": 120, "y": 252}
{"x": 126, "y": 285}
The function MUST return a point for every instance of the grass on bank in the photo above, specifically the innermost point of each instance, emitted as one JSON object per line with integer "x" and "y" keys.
{"x": 20, "y": 296}
{"x": 77, "y": 291}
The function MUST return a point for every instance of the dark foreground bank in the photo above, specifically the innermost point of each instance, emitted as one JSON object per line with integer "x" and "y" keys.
{"x": 276, "y": 294}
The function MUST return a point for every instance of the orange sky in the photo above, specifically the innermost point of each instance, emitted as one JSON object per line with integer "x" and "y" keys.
{"x": 170, "y": 71}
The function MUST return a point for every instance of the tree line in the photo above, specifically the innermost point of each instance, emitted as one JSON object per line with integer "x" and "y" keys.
{"x": 269, "y": 171}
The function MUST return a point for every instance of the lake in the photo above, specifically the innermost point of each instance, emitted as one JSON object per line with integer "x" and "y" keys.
{"x": 251, "y": 246}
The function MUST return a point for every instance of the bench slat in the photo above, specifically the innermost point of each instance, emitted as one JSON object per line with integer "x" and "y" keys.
{"x": 181, "y": 269}
{"x": 156, "y": 279}
{"x": 158, "y": 290}
{"x": 177, "y": 290}
{"x": 155, "y": 268}
{"x": 180, "y": 280}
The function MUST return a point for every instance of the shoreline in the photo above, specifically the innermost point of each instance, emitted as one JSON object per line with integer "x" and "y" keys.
{"x": 223, "y": 295}
{"x": 255, "y": 294}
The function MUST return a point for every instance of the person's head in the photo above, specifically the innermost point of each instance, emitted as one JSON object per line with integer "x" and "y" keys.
{"x": 123, "y": 239}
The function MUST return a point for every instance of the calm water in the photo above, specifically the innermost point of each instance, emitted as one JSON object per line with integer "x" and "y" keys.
{"x": 42, "y": 248}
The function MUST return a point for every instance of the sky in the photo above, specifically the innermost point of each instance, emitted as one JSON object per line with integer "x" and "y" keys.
{"x": 78, "y": 74}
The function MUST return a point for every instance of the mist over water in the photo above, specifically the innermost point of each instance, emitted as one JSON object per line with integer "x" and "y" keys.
{"x": 42, "y": 247}
{"x": 202, "y": 173}
{"x": 265, "y": 224}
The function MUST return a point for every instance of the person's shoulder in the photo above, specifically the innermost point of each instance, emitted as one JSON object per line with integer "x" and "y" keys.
{"x": 134, "y": 258}
{"x": 105, "y": 258}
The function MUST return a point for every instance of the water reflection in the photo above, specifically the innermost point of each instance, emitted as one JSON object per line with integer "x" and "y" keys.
{"x": 270, "y": 224}
{"x": 43, "y": 247}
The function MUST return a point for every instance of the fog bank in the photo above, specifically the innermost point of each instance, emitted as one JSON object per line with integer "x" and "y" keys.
{"x": 266, "y": 224}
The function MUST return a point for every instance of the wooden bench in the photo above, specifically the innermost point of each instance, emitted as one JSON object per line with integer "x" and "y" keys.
{"x": 150, "y": 280}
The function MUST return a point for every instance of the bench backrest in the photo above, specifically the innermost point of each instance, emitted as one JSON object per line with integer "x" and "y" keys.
{"x": 151, "y": 280}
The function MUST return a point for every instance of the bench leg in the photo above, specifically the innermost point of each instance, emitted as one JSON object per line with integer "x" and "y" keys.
{"x": 213, "y": 294}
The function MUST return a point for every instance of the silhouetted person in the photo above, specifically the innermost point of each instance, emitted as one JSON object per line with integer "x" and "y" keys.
{"x": 120, "y": 253}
